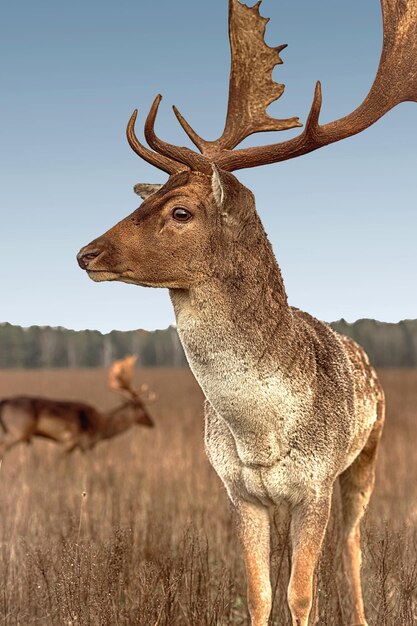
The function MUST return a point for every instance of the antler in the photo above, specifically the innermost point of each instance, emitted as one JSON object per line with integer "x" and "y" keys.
{"x": 395, "y": 82}
{"x": 252, "y": 89}
{"x": 180, "y": 154}
{"x": 162, "y": 162}
{"x": 121, "y": 375}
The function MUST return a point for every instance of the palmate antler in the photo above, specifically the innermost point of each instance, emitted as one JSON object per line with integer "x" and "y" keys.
{"x": 121, "y": 377}
{"x": 252, "y": 89}
{"x": 121, "y": 374}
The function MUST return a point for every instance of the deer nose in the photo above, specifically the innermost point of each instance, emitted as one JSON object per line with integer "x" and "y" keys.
{"x": 86, "y": 255}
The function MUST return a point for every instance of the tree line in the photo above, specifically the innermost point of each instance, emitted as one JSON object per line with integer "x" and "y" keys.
{"x": 47, "y": 347}
{"x": 388, "y": 345}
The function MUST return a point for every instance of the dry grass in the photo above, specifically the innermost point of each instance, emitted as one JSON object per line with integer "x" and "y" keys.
{"x": 140, "y": 531}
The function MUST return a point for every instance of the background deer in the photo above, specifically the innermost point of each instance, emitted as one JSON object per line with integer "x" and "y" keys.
{"x": 290, "y": 405}
{"x": 75, "y": 424}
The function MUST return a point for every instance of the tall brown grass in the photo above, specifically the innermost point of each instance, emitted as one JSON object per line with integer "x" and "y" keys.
{"x": 140, "y": 532}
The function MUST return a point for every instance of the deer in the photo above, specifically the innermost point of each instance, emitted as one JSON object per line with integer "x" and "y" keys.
{"x": 76, "y": 425}
{"x": 291, "y": 407}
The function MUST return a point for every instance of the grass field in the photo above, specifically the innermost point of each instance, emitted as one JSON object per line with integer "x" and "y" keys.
{"x": 140, "y": 532}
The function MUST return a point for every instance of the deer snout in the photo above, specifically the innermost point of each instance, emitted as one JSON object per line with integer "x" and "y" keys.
{"x": 86, "y": 255}
{"x": 146, "y": 420}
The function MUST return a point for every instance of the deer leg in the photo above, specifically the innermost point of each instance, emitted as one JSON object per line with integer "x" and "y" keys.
{"x": 356, "y": 485}
{"x": 308, "y": 525}
{"x": 69, "y": 446}
{"x": 253, "y": 526}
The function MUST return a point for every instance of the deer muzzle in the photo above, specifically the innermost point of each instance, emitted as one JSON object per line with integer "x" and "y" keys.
{"x": 103, "y": 260}
{"x": 87, "y": 255}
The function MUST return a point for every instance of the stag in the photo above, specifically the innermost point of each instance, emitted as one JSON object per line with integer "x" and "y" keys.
{"x": 291, "y": 406}
{"x": 75, "y": 424}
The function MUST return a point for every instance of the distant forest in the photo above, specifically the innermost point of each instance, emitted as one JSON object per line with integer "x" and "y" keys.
{"x": 388, "y": 345}
{"x": 43, "y": 346}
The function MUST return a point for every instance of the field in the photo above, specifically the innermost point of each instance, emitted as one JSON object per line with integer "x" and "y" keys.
{"x": 140, "y": 532}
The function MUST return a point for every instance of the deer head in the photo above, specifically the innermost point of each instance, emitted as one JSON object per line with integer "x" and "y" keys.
{"x": 188, "y": 230}
{"x": 120, "y": 380}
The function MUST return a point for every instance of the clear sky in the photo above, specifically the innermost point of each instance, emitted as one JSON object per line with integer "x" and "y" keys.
{"x": 343, "y": 220}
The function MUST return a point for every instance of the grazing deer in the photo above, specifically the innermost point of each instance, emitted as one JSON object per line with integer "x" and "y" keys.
{"x": 75, "y": 424}
{"x": 290, "y": 405}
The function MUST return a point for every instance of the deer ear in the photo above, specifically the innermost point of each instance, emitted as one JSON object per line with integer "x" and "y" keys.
{"x": 217, "y": 186}
{"x": 144, "y": 190}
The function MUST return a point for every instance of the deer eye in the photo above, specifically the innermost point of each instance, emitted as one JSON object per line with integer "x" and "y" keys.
{"x": 181, "y": 215}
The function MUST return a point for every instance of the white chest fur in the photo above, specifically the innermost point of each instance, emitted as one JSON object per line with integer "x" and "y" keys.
{"x": 259, "y": 404}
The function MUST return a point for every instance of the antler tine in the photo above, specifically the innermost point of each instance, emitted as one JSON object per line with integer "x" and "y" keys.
{"x": 163, "y": 163}
{"x": 198, "y": 141}
{"x": 151, "y": 398}
{"x": 146, "y": 394}
{"x": 395, "y": 82}
{"x": 180, "y": 154}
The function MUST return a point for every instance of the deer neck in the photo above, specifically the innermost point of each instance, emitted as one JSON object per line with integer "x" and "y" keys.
{"x": 243, "y": 303}
{"x": 236, "y": 328}
{"x": 118, "y": 420}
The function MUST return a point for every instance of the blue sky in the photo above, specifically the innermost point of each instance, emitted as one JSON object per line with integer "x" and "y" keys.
{"x": 342, "y": 220}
